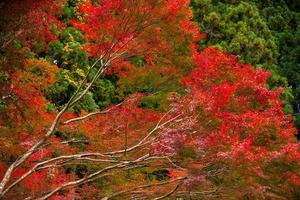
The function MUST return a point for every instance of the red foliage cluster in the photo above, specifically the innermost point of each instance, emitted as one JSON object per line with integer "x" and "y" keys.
{"x": 135, "y": 28}
{"x": 231, "y": 118}
{"x": 27, "y": 117}
{"x": 33, "y": 21}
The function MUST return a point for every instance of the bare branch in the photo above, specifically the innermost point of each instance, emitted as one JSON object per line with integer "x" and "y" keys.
{"x": 199, "y": 193}
{"x": 168, "y": 194}
{"x": 90, "y": 115}
{"x": 157, "y": 127}
{"x": 39, "y": 166}
{"x": 92, "y": 176}
{"x": 175, "y": 165}
{"x": 144, "y": 186}
{"x": 75, "y": 140}
{"x": 75, "y": 183}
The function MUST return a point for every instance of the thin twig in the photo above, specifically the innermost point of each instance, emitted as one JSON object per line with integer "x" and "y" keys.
{"x": 157, "y": 127}
{"x": 168, "y": 194}
{"x": 90, "y": 115}
{"x": 143, "y": 186}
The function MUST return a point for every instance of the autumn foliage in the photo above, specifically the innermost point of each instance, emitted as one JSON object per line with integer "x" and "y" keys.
{"x": 216, "y": 131}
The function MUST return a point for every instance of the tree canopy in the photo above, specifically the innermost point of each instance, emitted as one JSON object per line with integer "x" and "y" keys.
{"x": 122, "y": 99}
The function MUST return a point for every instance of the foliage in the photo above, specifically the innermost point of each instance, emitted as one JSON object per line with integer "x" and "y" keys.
{"x": 115, "y": 99}
{"x": 263, "y": 33}
{"x": 237, "y": 122}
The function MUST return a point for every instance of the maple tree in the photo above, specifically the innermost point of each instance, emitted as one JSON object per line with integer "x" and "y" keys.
{"x": 264, "y": 33}
{"x": 221, "y": 130}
